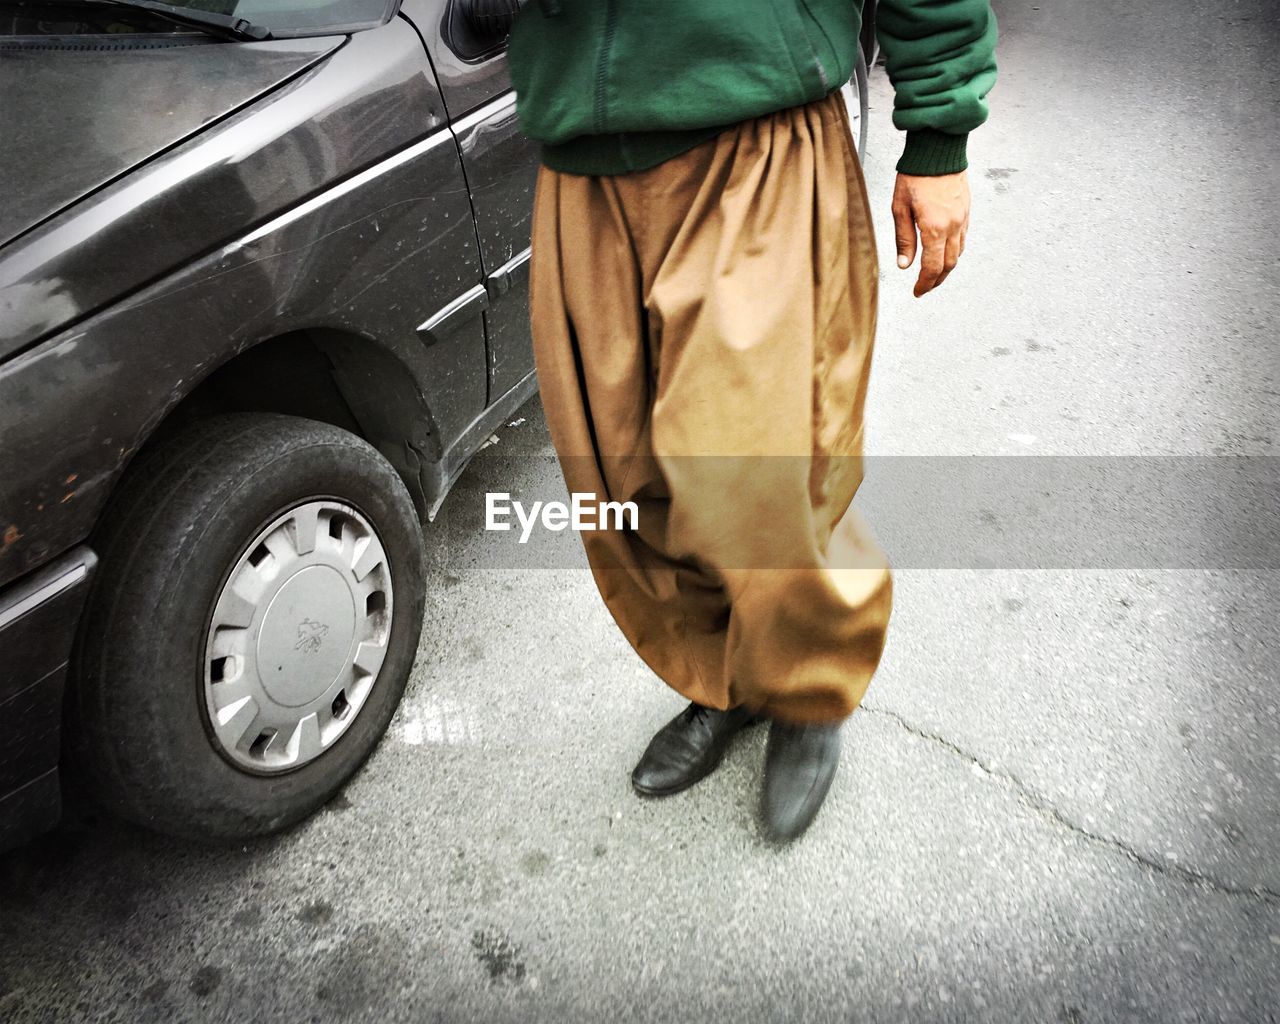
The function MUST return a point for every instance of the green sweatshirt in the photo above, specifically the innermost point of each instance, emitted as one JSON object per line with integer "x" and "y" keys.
{"x": 610, "y": 86}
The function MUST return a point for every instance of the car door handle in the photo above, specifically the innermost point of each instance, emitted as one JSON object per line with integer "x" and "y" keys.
{"x": 500, "y": 281}
{"x": 469, "y": 304}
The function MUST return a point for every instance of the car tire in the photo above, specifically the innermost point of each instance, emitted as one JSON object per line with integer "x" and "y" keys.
{"x": 145, "y": 715}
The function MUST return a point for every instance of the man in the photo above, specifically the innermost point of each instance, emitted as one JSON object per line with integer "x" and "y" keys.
{"x": 704, "y": 287}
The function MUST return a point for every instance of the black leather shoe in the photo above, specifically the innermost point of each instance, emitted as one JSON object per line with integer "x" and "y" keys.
{"x": 687, "y": 749}
{"x": 799, "y": 763}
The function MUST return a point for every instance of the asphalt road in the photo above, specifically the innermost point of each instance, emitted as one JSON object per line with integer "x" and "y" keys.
{"x": 1059, "y": 802}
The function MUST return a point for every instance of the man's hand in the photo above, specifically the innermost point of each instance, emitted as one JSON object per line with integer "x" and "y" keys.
{"x": 939, "y": 208}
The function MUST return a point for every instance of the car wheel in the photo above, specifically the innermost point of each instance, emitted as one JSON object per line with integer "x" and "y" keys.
{"x": 252, "y": 624}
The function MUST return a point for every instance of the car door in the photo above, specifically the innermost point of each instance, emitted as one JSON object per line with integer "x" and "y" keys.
{"x": 500, "y": 166}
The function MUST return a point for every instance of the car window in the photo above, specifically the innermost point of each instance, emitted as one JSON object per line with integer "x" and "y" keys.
{"x": 301, "y": 17}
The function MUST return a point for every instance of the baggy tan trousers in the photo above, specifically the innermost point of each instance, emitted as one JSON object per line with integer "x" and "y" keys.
{"x": 703, "y": 334}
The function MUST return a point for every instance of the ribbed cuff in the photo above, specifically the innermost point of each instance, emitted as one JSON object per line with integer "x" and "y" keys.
{"x": 930, "y": 152}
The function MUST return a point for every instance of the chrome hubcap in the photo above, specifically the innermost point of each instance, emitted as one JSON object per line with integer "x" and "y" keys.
{"x": 297, "y": 638}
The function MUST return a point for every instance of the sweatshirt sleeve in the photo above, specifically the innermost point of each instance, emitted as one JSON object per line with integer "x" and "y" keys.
{"x": 940, "y": 56}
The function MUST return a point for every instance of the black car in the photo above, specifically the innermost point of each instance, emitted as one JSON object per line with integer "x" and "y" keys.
{"x": 263, "y": 293}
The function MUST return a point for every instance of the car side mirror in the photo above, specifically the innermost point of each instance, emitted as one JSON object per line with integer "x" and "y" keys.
{"x": 490, "y": 20}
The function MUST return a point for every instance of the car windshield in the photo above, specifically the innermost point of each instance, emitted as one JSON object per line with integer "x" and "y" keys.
{"x": 300, "y": 17}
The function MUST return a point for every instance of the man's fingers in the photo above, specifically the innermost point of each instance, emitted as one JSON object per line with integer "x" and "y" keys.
{"x": 951, "y": 255}
{"x": 904, "y": 230}
{"x": 932, "y": 261}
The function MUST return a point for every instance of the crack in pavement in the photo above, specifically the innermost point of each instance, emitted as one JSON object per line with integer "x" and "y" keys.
{"x": 1039, "y": 803}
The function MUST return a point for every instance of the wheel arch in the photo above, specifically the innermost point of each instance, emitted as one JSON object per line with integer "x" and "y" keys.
{"x": 334, "y": 376}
